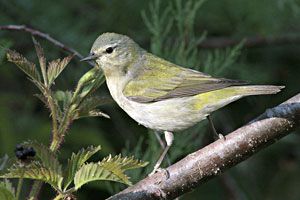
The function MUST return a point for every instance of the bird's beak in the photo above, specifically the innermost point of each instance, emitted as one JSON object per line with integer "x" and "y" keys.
{"x": 89, "y": 57}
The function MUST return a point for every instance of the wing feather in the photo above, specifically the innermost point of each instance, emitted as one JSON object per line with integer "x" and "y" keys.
{"x": 159, "y": 80}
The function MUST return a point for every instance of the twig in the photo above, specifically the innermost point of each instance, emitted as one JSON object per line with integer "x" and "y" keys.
{"x": 209, "y": 43}
{"x": 45, "y": 36}
{"x": 250, "y": 42}
{"x": 212, "y": 160}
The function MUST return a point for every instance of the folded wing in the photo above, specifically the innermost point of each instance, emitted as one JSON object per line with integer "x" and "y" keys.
{"x": 159, "y": 80}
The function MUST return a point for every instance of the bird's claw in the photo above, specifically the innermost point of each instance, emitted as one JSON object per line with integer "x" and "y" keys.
{"x": 222, "y": 137}
{"x": 157, "y": 170}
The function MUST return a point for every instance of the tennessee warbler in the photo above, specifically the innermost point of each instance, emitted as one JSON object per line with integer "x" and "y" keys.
{"x": 159, "y": 94}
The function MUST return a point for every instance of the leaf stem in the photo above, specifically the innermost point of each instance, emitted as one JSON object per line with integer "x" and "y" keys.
{"x": 71, "y": 190}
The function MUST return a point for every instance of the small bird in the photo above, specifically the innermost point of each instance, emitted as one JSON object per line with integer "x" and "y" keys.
{"x": 159, "y": 94}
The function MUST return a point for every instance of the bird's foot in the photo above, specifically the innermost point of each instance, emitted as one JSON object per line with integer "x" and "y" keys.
{"x": 157, "y": 170}
{"x": 219, "y": 136}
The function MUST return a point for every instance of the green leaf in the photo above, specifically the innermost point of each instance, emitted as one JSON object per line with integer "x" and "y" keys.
{"x": 26, "y": 66}
{"x": 48, "y": 160}
{"x": 77, "y": 160}
{"x": 46, "y": 156}
{"x": 125, "y": 163}
{"x": 42, "y": 59}
{"x": 93, "y": 102}
{"x": 55, "y": 67}
{"x": 7, "y": 192}
{"x": 110, "y": 168}
{"x": 88, "y": 107}
{"x": 99, "y": 171}
{"x": 92, "y": 113}
{"x": 35, "y": 170}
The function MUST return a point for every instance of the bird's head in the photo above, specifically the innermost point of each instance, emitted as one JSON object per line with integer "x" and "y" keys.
{"x": 113, "y": 52}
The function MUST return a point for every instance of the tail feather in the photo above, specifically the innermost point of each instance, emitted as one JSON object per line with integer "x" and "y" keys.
{"x": 258, "y": 89}
{"x": 211, "y": 101}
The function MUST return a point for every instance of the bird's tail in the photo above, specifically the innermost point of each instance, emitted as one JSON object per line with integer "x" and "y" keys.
{"x": 257, "y": 89}
{"x": 216, "y": 99}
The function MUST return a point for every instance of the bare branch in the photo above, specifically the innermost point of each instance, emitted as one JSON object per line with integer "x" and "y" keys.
{"x": 212, "y": 160}
{"x": 250, "y": 42}
{"x": 209, "y": 43}
{"x": 45, "y": 36}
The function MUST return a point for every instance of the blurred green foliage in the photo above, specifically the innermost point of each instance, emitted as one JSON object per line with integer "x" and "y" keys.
{"x": 273, "y": 173}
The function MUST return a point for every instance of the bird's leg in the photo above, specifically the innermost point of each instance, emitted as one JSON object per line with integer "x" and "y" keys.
{"x": 169, "y": 137}
{"x": 162, "y": 144}
{"x": 216, "y": 135}
{"x": 160, "y": 141}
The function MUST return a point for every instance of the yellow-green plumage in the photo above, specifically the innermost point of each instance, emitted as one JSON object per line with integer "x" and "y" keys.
{"x": 160, "y": 79}
{"x": 212, "y": 98}
{"x": 159, "y": 94}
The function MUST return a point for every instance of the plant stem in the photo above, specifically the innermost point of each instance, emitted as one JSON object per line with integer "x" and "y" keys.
{"x": 20, "y": 184}
{"x": 59, "y": 197}
{"x": 58, "y": 133}
{"x": 55, "y": 134}
{"x": 36, "y": 187}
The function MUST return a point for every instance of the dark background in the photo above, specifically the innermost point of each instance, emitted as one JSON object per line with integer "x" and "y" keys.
{"x": 273, "y": 173}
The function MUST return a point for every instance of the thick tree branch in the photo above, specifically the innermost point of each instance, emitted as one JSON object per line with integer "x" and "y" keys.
{"x": 250, "y": 42}
{"x": 210, "y": 161}
{"x": 45, "y": 36}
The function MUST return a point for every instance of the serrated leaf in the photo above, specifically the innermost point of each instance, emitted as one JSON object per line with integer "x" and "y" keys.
{"x": 99, "y": 171}
{"x": 93, "y": 102}
{"x": 110, "y": 168}
{"x": 35, "y": 170}
{"x": 77, "y": 160}
{"x": 125, "y": 163}
{"x": 56, "y": 67}
{"x": 92, "y": 113}
{"x": 26, "y": 66}
{"x": 47, "y": 158}
{"x": 7, "y": 191}
{"x": 42, "y": 59}
{"x": 88, "y": 106}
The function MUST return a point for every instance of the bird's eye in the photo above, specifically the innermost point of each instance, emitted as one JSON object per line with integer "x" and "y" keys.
{"x": 109, "y": 50}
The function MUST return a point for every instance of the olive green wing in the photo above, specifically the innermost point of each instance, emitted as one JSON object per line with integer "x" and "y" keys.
{"x": 160, "y": 80}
